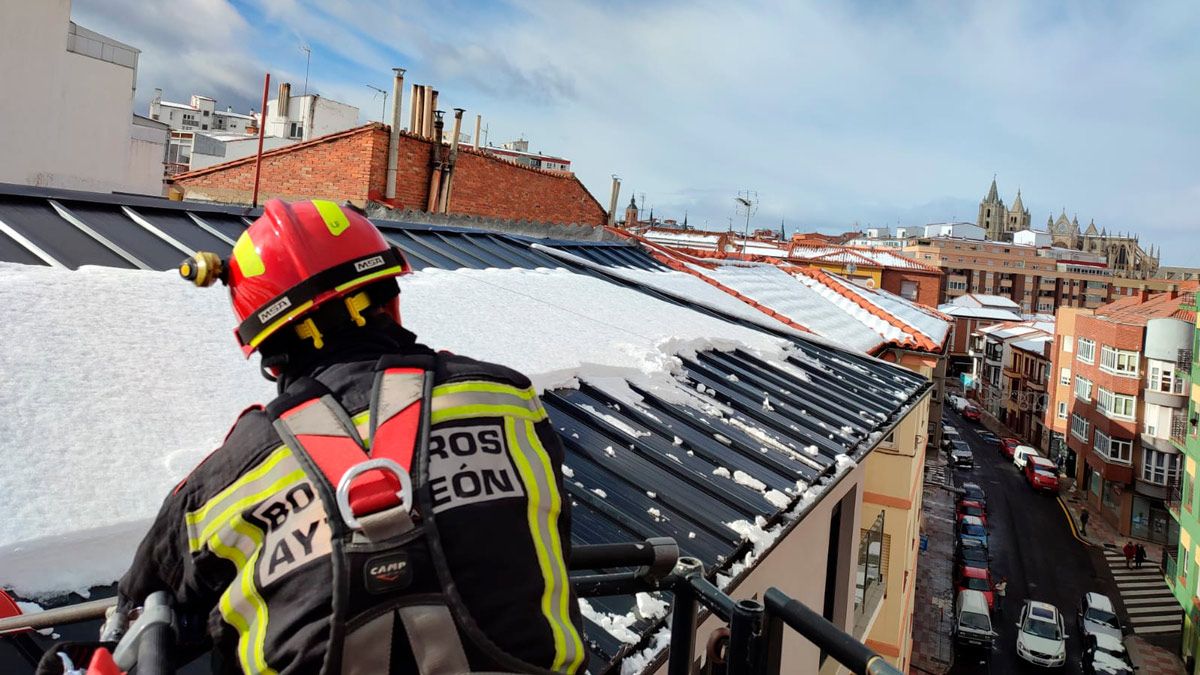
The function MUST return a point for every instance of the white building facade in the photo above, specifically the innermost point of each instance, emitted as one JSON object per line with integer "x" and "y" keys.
{"x": 70, "y": 121}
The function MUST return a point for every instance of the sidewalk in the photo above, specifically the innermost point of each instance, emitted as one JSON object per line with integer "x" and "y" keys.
{"x": 1152, "y": 659}
{"x": 933, "y": 649}
{"x": 1099, "y": 532}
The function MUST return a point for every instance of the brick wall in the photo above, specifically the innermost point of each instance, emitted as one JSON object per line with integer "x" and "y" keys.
{"x": 353, "y": 165}
{"x": 338, "y": 166}
{"x": 929, "y": 284}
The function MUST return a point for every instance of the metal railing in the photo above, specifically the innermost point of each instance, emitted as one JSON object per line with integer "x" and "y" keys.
{"x": 869, "y": 581}
{"x": 1179, "y": 424}
{"x": 752, "y": 642}
{"x": 1183, "y": 360}
{"x": 1170, "y": 562}
{"x": 1174, "y": 497}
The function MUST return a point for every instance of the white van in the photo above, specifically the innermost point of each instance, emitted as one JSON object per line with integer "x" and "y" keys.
{"x": 1022, "y": 454}
{"x": 972, "y": 622}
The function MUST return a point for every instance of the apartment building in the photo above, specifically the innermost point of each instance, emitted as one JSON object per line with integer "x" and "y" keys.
{"x": 1181, "y": 566}
{"x": 1125, "y": 398}
{"x": 970, "y": 313}
{"x": 1007, "y": 374}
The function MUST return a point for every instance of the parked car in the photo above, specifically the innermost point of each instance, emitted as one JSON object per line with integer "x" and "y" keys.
{"x": 972, "y": 552}
{"x": 962, "y": 457}
{"x": 972, "y": 620}
{"x": 1105, "y": 655}
{"x": 1007, "y": 445}
{"x": 1021, "y": 455}
{"x": 973, "y": 528}
{"x": 1041, "y": 637}
{"x": 1098, "y": 617}
{"x": 1041, "y": 474}
{"x": 988, "y": 436}
{"x": 976, "y": 579}
{"x": 969, "y": 507}
{"x": 972, "y": 491}
{"x": 972, "y": 413}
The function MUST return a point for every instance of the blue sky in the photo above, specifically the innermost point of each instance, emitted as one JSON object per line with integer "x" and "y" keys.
{"x": 835, "y": 113}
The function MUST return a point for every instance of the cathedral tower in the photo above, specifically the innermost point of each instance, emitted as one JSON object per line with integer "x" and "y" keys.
{"x": 992, "y": 214}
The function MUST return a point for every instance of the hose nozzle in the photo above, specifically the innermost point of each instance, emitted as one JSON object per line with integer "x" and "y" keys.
{"x": 203, "y": 269}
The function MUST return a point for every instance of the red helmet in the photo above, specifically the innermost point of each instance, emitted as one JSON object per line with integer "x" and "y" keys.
{"x": 293, "y": 259}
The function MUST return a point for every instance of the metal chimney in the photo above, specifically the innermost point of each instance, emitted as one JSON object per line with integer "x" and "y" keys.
{"x": 458, "y": 113}
{"x": 427, "y": 112}
{"x": 478, "y": 123}
{"x": 394, "y": 136}
{"x": 415, "y": 108}
{"x": 284, "y": 96}
{"x": 612, "y": 203}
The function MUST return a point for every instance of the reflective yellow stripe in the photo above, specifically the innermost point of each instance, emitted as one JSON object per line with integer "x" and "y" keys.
{"x": 389, "y": 271}
{"x": 199, "y": 515}
{"x": 274, "y": 325}
{"x": 489, "y": 387}
{"x": 247, "y": 257}
{"x": 252, "y": 635}
{"x": 361, "y": 423}
{"x": 233, "y": 511}
{"x": 466, "y": 411}
{"x": 556, "y": 556}
{"x": 335, "y": 219}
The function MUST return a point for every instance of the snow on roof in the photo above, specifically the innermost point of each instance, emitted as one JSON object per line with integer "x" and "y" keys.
{"x": 984, "y": 300}
{"x": 881, "y": 257}
{"x": 954, "y": 310}
{"x": 921, "y": 318}
{"x": 1036, "y": 344}
{"x": 700, "y": 240}
{"x": 93, "y": 440}
{"x": 807, "y": 302}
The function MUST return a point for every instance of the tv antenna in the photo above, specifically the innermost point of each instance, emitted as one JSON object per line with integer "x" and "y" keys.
{"x": 383, "y": 111}
{"x": 746, "y": 202}
{"x": 307, "y": 60}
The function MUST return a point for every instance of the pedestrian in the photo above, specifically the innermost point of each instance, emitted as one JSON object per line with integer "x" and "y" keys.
{"x": 254, "y": 531}
{"x": 1129, "y": 550}
{"x": 1139, "y": 556}
{"x": 1001, "y": 589}
{"x": 1083, "y": 520}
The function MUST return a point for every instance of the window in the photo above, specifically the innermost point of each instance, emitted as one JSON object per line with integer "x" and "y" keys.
{"x": 206, "y": 113}
{"x": 1087, "y": 351}
{"x": 908, "y": 290}
{"x": 956, "y": 285}
{"x": 1079, "y": 427}
{"x": 1159, "y": 467}
{"x": 1164, "y": 378}
{"x": 1068, "y": 344}
{"x": 1064, "y": 377}
{"x": 1119, "y": 361}
{"x": 295, "y": 130}
{"x": 1114, "y": 449}
{"x": 1083, "y": 388}
{"x": 1116, "y": 406}
{"x": 1062, "y": 410}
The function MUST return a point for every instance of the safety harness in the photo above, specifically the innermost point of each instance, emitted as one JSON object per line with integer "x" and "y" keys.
{"x": 387, "y": 560}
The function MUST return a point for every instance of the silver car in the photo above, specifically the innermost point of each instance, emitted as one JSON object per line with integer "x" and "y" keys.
{"x": 1098, "y": 616}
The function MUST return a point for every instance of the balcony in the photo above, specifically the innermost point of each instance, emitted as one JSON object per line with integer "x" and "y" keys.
{"x": 1184, "y": 360}
{"x": 1179, "y": 425}
{"x": 1174, "y": 495}
{"x": 1170, "y": 563}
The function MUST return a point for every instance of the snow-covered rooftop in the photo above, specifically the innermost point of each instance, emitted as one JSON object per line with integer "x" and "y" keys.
{"x": 995, "y": 314}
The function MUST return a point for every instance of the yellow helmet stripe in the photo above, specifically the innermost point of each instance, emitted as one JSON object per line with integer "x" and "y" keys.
{"x": 335, "y": 219}
{"x": 247, "y": 256}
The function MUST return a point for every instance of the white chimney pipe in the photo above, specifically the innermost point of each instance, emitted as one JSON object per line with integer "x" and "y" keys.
{"x": 478, "y": 123}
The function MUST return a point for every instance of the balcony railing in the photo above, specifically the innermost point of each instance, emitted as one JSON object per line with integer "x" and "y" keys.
{"x": 1183, "y": 361}
{"x": 1179, "y": 428}
{"x": 1169, "y": 564}
{"x": 870, "y": 584}
{"x": 1174, "y": 494}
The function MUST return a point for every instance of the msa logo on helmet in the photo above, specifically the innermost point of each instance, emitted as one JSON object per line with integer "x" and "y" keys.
{"x": 369, "y": 263}
{"x": 388, "y": 572}
{"x": 272, "y": 311}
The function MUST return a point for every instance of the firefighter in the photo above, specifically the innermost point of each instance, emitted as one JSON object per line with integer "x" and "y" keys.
{"x": 393, "y": 510}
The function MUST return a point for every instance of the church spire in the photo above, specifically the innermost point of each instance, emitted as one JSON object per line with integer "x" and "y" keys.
{"x": 993, "y": 194}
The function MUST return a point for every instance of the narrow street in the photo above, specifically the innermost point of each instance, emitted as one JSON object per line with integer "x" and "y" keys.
{"x": 1032, "y": 545}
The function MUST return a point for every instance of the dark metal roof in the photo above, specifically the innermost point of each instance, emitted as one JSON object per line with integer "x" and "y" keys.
{"x": 653, "y": 467}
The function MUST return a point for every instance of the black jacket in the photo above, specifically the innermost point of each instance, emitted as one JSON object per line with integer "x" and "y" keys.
{"x": 243, "y": 540}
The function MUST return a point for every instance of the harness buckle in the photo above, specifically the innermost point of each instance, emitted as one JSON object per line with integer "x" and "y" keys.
{"x": 404, "y": 494}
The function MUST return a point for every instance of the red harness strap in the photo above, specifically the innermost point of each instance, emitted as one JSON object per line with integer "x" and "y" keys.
{"x": 396, "y": 410}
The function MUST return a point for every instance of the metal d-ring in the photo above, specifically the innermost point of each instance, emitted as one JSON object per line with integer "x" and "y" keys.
{"x": 404, "y": 494}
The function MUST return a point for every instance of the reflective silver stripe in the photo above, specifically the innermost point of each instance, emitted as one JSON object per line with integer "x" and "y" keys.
{"x": 386, "y": 524}
{"x": 368, "y": 649}
{"x": 434, "y": 639}
{"x": 209, "y": 228}
{"x": 395, "y": 392}
{"x": 445, "y": 400}
{"x": 319, "y": 418}
{"x": 104, "y": 241}
{"x": 28, "y": 245}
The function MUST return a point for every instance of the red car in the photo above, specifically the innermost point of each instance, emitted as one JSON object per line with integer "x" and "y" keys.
{"x": 1008, "y": 444}
{"x": 1041, "y": 474}
{"x": 978, "y": 579}
{"x": 971, "y": 412}
{"x": 969, "y": 507}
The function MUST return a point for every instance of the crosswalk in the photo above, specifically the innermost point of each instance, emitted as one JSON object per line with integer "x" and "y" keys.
{"x": 1151, "y": 606}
